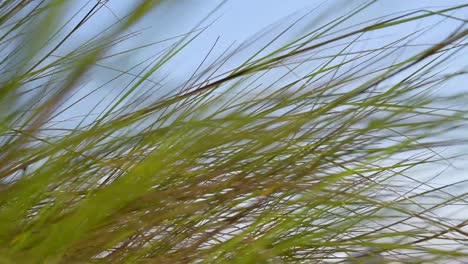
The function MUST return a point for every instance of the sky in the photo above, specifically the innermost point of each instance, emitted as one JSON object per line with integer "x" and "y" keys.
{"x": 236, "y": 21}
{"x": 239, "y": 20}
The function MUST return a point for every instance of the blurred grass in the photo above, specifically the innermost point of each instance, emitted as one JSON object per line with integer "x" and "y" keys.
{"x": 296, "y": 155}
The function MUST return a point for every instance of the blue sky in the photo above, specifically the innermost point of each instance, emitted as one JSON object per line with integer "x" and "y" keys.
{"x": 240, "y": 20}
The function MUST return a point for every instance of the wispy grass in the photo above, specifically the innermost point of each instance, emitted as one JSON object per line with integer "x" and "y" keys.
{"x": 305, "y": 152}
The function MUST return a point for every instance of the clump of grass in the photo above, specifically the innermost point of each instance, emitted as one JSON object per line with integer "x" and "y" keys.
{"x": 303, "y": 153}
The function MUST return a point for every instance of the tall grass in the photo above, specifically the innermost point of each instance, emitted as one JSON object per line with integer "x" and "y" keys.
{"x": 306, "y": 151}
